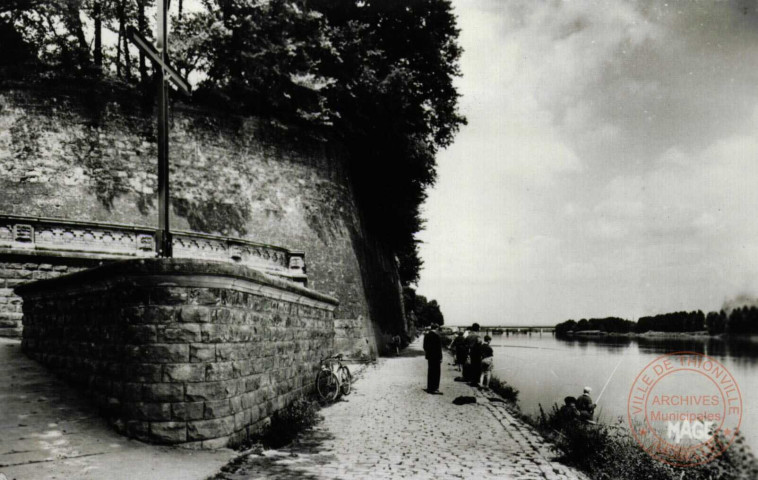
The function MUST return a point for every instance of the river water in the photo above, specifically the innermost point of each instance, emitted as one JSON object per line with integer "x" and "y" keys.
{"x": 545, "y": 369}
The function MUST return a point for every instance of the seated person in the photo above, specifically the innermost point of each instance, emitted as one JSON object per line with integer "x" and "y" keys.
{"x": 585, "y": 405}
{"x": 568, "y": 411}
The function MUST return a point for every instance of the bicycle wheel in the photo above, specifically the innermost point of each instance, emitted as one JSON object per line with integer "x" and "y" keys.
{"x": 328, "y": 385}
{"x": 346, "y": 379}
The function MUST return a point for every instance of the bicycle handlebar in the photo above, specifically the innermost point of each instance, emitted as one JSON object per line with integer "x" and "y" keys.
{"x": 336, "y": 356}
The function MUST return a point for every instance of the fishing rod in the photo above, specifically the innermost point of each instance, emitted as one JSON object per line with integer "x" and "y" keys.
{"x": 609, "y": 380}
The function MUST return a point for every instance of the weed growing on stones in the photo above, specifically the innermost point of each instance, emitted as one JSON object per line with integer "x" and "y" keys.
{"x": 506, "y": 391}
{"x": 286, "y": 424}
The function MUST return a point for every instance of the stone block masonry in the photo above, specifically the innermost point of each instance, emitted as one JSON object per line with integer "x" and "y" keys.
{"x": 16, "y": 270}
{"x": 180, "y": 351}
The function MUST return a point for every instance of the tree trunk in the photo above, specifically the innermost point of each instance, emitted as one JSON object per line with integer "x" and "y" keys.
{"x": 227, "y": 11}
{"x": 118, "y": 47}
{"x": 141, "y": 26}
{"x": 97, "y": 14}
{"x": 127, "y": 58}
{"x": 75, "y": 28}
{"x": 122, "y": 37}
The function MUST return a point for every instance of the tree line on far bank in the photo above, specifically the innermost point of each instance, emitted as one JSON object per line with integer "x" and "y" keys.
{"x": 739, "y": 321}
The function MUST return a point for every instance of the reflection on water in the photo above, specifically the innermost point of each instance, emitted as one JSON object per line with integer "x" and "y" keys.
{"x": 546, "y": 369}
{"x": 746, "y": 348}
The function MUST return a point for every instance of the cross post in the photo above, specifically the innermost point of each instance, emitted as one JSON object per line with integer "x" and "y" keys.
{"x": 163, "y": 234}
{"x": 164, "y": 71}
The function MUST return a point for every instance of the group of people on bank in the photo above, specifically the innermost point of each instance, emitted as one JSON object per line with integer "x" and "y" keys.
{"x": 473, "y": 357}
{"x": 582, "y": 408}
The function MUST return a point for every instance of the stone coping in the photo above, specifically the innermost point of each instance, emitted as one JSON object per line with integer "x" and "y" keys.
{"x": 165, "y": 270}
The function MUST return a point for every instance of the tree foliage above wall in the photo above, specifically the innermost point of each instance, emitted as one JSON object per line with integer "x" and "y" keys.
{"x": 425, "y": 312}
{"x": 377, "y": 74}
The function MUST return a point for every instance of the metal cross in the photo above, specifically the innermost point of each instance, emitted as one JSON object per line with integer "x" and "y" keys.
{"x": 159, "y": 56}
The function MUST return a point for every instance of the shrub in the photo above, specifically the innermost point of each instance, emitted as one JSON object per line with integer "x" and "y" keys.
{"x": 737, "y": 461}
{"x": 611, "y": 452}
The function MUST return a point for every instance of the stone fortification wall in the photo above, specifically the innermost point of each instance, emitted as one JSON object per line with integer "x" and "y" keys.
{"x": 180, "y": 351}
{"x": 91, "y": 156}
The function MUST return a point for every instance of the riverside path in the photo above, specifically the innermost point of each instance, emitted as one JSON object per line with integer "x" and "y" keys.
{"x": 49, "y": 430}
{"x": 390, "y": 428}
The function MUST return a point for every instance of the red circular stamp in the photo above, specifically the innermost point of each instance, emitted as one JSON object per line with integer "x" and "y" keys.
{"x": 684, "y": 408}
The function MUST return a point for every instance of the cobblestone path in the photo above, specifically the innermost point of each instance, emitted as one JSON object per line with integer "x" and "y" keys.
{"x": 390, "y": 428}
{"x": 48, "y": 430}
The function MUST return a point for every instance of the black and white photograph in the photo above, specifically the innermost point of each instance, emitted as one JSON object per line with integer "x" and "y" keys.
{"x": 378, "y": 239}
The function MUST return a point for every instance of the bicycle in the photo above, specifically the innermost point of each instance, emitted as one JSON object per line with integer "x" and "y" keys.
{"x": 333, "y": 378}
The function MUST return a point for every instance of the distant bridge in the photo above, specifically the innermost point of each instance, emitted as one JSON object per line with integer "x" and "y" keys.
{"x": 509, "y": 329}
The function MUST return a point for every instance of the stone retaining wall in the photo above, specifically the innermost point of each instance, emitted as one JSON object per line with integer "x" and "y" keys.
{"x": 180, "y": 351}
{"x": 87, "y": 153}
{"x": 16, "y": 270}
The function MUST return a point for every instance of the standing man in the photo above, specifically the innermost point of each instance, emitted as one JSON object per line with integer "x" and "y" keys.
{"x": 460, "y": 350}
{"x": 486, "y": 366}
{"x": 396, "y": 342}
{"x": 473, "y": 340}
{"x": 433, "y": 351}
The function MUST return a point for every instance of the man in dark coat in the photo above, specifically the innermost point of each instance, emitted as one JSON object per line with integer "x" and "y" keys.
{"x": 568, "y": 412}
{"x": 460, "y": 349}
{"x": 475, "y": 359}
{"x": 433, "y": 351}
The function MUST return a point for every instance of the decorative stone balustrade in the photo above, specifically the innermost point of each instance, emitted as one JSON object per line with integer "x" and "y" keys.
{"x": 34, "y": 248}
{"x": 67, "y": 238}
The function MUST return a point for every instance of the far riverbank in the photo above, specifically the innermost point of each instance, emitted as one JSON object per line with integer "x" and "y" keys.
{"x": 663, "y": 335}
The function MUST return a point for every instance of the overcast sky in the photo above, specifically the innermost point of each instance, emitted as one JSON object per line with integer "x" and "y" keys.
{"x": 610, "y": 164}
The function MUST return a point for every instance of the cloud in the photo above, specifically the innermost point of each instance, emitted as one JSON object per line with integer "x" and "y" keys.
{"x": 609, "y": 166}
{"x": 687, "y": 227}
{"x": 517, "y": 137}
{"x": 639, "y": 76}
